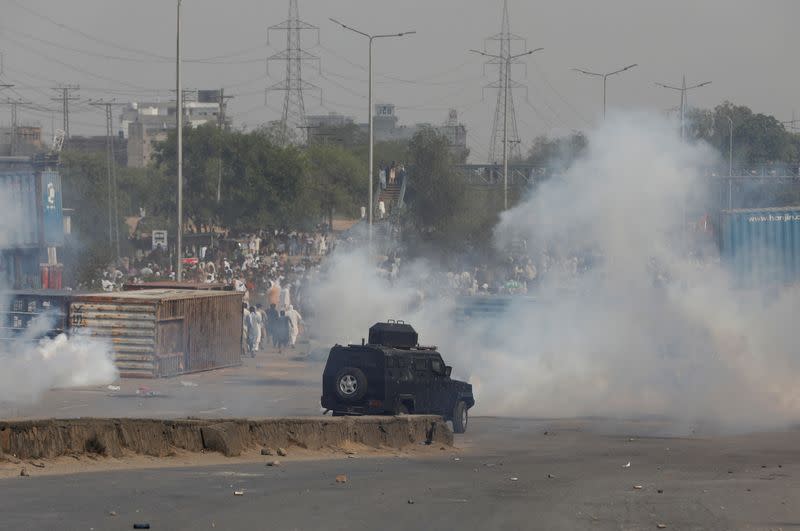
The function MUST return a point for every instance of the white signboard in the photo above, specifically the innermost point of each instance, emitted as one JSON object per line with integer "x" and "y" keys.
{"x": 160, "y": 239}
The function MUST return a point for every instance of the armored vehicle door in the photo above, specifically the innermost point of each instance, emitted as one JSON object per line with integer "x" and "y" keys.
{"x": 423, "y": 382}
{"x": 441, "y": 399}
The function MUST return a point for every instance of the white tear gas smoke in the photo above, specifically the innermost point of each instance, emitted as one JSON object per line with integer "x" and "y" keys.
{"x": 31, "y": 364}
{"x": 628, "y": 325}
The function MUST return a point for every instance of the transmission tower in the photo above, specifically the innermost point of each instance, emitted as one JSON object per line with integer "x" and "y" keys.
{"x": 111, "y": 174}
{"x": 505, "y": 105}
{"x": 293, "y": 85}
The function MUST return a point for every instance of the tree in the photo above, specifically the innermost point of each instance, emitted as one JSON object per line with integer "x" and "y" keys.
{"x": 757, "y": 138}
{"x": 337, "y": 180}
{"x": 557, "y": 153}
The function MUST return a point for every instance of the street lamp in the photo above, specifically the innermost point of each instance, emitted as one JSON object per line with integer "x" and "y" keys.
{"x": 605, "y": 79}
{"x": 179, "y": 118}
{"x": 371, "y": 139}
{"x": 507, "y": 59}
{"x": 683, "y": 89}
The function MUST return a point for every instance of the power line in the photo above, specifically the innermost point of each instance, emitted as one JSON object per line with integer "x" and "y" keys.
{"x": 65, "y": 98}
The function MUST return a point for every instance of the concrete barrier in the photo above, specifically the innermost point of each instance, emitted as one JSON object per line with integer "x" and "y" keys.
{"x": 43, "y": 439}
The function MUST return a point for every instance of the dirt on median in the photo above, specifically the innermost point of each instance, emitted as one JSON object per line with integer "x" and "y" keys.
{"x": 115, "y": 438}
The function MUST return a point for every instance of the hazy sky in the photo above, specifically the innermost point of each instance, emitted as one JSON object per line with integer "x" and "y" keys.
{"x": 743, "y": 47}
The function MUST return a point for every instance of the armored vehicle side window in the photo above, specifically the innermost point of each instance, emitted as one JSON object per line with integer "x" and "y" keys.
{"x": 437, "y": 366}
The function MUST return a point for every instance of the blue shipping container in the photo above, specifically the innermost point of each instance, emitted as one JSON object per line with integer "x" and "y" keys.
{"x": 52, "y": 213}
{"x": 18, "y": 200}
{"x": 762, "y": 246}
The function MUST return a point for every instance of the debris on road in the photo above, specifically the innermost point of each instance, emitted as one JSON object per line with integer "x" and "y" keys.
{"x": 341, "y": 478}
{"x": 662, "y": 526}
{"x": 456, "y": 459}
{"x": 37, "y": 464}
{"x": 637, "y": 487}
{"x": 282, "y": 452}
{"x": 660, "y": 491}
{"x": 141, "y": 526}
{"x": 114, "y": 388}
{"x": 411, "y": 502}
{"x": 627, "y": 465}
{"x": 550, "y": 476}
{"x": 189, "y": 384}
{"x": 274, "y": 463}
{"x": 112, "y": 513}
{"x": 24, "y": 472}
{"x": 514, "y": 479}
{"x": 238, "y": 493}
{"x": 266, "y": 451}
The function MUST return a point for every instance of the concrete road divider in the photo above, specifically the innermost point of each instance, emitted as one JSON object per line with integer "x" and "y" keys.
{"x": 38, "y": 439}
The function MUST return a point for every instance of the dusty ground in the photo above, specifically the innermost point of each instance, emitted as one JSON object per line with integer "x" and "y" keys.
{"x": 510, "y": 474}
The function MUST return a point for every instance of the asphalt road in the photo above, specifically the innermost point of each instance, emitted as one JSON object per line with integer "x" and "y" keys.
{"x": 507, "y": 474}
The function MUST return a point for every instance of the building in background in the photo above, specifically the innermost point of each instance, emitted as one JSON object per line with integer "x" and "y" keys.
{"x": 144, "y": 124}
{"x": 27, "y": 140}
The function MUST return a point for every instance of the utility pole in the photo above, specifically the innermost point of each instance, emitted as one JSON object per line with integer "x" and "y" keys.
{"x": 65, "y": 98}
{"x": 111, "y": 177}
{"x": 507, "y": 59}
{"x": 683, "y": 89}
{"x": 14, "y": 122}
{"x": 605, "y": 80}
{"x": 223, "y": 126}
{"x": 179, "y": 118}
{"x": 371, "y": 132}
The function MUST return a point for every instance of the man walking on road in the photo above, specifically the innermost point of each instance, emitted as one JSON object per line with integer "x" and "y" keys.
{"x": 294, "y": 320}
{"x": 272, "y": 324}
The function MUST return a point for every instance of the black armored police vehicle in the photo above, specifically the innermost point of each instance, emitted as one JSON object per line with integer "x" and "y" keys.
{"x": 392, "y": 375}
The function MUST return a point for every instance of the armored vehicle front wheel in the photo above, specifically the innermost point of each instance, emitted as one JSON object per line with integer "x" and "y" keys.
{"x": 351, "y": 384}
{"x": 460, "y": 417}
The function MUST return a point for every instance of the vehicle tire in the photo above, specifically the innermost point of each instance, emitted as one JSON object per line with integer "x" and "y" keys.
{"x": 460, "y": 417}
{"x": 351, "y": 384}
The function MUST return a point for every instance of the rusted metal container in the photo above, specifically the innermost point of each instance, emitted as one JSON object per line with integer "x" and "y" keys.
{"x": 33, "y": 314}
{"x": 171, "y": 284}
{"x": 164, "y": 332}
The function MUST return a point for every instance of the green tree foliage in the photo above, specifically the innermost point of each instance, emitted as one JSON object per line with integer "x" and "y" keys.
{"x": 337, "y": 181}
{"x": 557, "y": 153}
{"x": 441, "y": 210}
{"x": 757, "y": 138}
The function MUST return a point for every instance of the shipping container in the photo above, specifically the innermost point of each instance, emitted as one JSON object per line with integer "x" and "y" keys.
{"x": 18, "y": 201}
{"x": 164, "y": 332}
{"x": 33, "y": 314}
{"x": 761, "y": 247}
{"x": 172, "y": 284}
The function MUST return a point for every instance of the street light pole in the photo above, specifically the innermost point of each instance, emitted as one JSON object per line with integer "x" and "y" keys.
{"x": 371, "y": 131}
{"x": 683, "y": 89}
{"x": 179, "y": 118}
{"x": 605, "y": 80}
{"x": 507, "y": 61}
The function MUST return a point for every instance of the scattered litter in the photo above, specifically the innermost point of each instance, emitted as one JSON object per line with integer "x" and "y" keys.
{"x": 189, "y": 384}
{"x": 550, "y": 476}
{"x": 141, "y": 526}
{"x": 238, "y": 493}
{"x": 489, "y": 465}
{"x": 660, "y": 491}
{"x": 24, "y": 472}
{"x": 637, "y": 487}
{"x": 730, "y": 471}
{"x": 631, "y": 439}
{"x": 514, "y": 479}
{"x": 112, "y": 513}
{"x": 146, "y": 391}
{"x": 274, "y": 463}
{"x": 266, "y": 451}
{"x": 114, "y": 388}
{"x": 627, "y": 465}
{"x": 411, "y": 502}
{"x": 282, "y": 452}
{"x": 763, "y": 466}
{"x": 456, "y": 459}
{"x": 662, "y": 526}
{"x": 37, "y": 465}
{"x": 351, "y": 456}
{"x": 341, "y": 478}
{"x": 546, "y": 433}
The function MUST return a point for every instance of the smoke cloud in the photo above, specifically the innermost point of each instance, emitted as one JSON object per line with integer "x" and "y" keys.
{"x": 31, "y": 364}
{"x": 646, "y": 328}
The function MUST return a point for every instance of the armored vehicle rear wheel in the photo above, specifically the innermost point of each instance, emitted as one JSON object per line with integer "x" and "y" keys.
{"x": 460, "y": 417}
{"x": 351, "y": 384}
